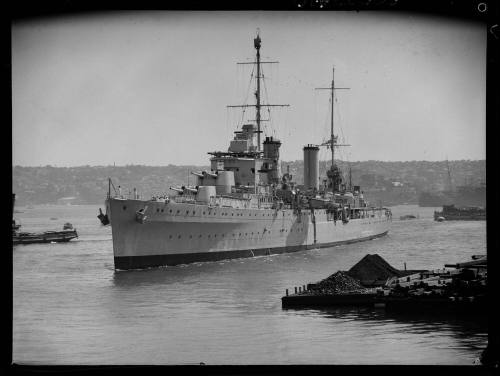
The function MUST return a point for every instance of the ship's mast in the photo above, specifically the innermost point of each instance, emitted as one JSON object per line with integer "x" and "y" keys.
{"x": 331, "y": 143}
{"x": 332, "y": 146}
{"x": 258, "y": 105}
{"x": 450, "y": 187}
{"x": 256, "y": 43}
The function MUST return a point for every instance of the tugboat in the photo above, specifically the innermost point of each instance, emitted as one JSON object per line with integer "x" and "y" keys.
{"x": 243, "y": 206}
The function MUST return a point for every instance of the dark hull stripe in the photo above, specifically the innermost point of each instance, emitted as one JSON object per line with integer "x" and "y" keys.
{"x": 137, "y": 262}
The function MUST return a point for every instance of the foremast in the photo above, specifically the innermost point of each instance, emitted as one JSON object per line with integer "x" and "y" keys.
{"x": 258, "y": 105}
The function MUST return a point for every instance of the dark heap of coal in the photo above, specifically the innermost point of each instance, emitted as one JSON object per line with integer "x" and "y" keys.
{"x": 373, "y": 270}
{"x": 338, "y": 283}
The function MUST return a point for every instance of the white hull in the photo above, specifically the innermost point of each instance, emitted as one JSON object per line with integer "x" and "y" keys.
{"x": 174, "y": 233}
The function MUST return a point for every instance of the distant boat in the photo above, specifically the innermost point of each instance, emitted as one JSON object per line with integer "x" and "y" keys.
{"x": 44, "y": 237}
{"x": 453, "y": 213}
{"x": 407, "y": 216}
{"x": 53, "y": 218}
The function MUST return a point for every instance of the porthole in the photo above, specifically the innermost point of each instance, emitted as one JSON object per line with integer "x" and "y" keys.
{"x": 199, "y": 236}
{"x": 215, "y": 235}
{"x": 187, "y": 211}
{"x": 208, "y": 235}
{"x": 203, "y": 213}
{"x": 124, "y": 207}
{"x": 170, "y": 211}
{"x": 179, "y": 237}
{"x": 194, "y": 212}
{"x": 162, "y": 210}
{"x": 158, "y": 210}
{"x": 190, "y": 236}
{"x": 170, "y": 236}
{"x": 178, "y": 211}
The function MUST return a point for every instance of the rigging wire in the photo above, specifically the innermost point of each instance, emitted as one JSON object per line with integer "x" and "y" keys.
{"x": 246, "y": 98}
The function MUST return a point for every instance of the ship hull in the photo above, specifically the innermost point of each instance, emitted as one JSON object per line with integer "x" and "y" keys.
{"x": 180, "y": 233}
{"x": 51, "y": 237}
{"x": 138, "y": 262}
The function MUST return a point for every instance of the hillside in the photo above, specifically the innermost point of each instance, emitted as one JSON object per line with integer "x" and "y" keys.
{"x": 389, "y": 182}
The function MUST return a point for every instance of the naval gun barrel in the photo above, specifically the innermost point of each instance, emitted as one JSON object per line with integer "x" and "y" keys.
{"x": 199, "y": 174}
{"x": 177, "y": 189}
{"x": 193, "y": 190}
{"x": 206, "y": 173}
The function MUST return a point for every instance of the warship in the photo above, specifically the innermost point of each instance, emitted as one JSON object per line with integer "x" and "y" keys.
{"x": 244, "y": 206}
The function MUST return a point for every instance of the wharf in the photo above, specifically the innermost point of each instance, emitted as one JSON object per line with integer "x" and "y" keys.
{"x": 459, "y": 290}
{"x": 389, "y": 303}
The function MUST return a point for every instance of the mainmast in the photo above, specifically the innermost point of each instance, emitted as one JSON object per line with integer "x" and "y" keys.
{"x": 333, "y": 174}
{"x": 258, "y": 105}
{"x": 332, "y": 138}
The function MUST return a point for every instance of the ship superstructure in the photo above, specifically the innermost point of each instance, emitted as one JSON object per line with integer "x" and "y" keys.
{"x": 244, "y": 206}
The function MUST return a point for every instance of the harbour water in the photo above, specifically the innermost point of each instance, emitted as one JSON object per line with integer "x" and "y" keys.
{"x": 71, "y": 307}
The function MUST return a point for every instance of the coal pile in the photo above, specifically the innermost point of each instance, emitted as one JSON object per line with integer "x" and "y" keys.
{"x": 373, "y": 270}
{"x": 338, "y": 283}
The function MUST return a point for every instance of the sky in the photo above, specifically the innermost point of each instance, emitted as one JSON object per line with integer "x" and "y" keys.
{"x": 153, "y": 87}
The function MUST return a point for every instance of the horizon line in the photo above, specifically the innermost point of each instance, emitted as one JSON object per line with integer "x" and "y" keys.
{"x": 292, "y": 161}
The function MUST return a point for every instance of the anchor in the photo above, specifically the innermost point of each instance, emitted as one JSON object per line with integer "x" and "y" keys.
{"x": 140, "y": 215}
